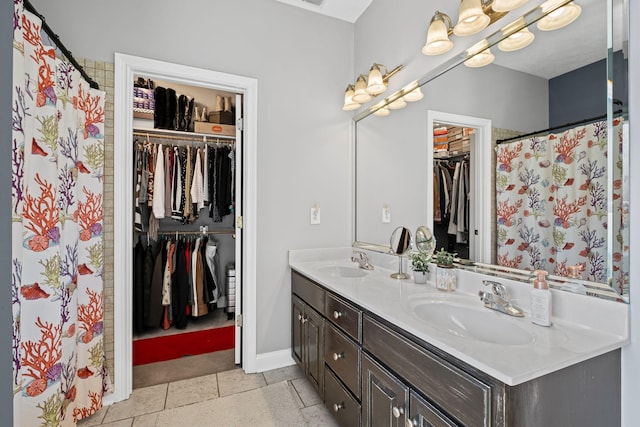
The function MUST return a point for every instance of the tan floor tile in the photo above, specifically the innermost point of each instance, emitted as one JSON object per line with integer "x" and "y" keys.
{"x": 307, "y": 393}
{"x": 318, "y": 416}
{"x": 192, "y": 390}
{"x": 282, "y": 374}
{"x": 272, "y": 405}
{"x": 236, "y": 381}
{"x": 142, "y": 401}
{"x": 295, "y": 393}
{"x": 121, "y": 423}
{"x": 149, "y": 420}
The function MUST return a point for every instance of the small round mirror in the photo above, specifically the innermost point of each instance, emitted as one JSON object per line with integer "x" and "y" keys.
{"x": 400, "y": 240}
{"x": 425, "y": 241}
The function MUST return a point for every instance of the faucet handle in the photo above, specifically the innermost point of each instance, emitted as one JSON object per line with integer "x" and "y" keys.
{"x": 498, "y": 288}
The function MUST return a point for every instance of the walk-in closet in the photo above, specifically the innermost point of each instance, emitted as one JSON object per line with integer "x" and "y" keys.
{"x": 186, "y": 189}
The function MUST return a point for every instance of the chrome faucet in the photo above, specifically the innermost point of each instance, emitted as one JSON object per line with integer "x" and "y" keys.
{"x": 498, "y": 299}
{"x": 362, "y": 259}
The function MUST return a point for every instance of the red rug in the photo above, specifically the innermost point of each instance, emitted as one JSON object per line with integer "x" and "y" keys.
{"x": 174, "y": 346}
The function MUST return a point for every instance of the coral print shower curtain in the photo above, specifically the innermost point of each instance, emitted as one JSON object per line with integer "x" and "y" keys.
{"x": 552, "y": 203}
{"x": 59, "y": 369}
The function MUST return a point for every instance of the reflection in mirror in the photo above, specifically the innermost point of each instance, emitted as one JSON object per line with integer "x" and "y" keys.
{"x": 560, "y": 78}
{"x": 400, "y": 242}
{"x": 425, "y": 241}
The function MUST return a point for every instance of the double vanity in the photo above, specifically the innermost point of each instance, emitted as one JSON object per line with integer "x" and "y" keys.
{"x": 382, "y": 351}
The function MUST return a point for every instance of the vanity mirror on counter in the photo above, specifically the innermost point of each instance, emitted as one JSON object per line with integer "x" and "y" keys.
{"x": 575, "y": 76}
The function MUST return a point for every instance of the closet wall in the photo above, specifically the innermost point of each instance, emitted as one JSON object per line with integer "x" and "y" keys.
{"x": 184, "y": 199}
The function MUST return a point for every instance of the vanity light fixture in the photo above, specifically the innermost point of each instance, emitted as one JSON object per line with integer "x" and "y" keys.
{"x": 349, "y": 103}
{"x": 384, "y": 111}
{"x": 366, "y": 87}
{"x": 440, "y": 28}
{"x": 516, "y": 39}
{"x": 560, "y": 17}
{"x": 471, "y": 18}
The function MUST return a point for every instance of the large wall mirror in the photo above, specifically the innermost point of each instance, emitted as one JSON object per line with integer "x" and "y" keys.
{"x": 568, "y": 89}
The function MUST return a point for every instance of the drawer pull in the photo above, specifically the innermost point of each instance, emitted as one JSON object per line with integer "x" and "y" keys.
{"x": 338, "y": 406}
{"x": 337, "y": 314}
{"x": 410, "y": 423}
{"x": 304, "y": 319}
{"x": 337, "y": 356}
{"x": 299, "y": 317}
{"x": 397, "y": 411}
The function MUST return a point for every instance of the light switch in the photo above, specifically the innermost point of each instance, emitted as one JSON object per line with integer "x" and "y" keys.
{"x": 314, "y": 214}
{"x": 386, "y": 214}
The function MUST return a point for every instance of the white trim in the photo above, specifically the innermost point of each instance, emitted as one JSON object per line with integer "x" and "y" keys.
{"x": 126, "y": 66}
{"x": 274, "y": 360}
{"x": 480, "y": 244}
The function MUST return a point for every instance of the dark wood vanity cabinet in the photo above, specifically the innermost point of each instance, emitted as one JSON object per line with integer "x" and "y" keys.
{"x": 371, "y": 373}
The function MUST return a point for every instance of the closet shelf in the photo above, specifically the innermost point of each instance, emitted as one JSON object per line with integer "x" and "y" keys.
{"x": 180, "y": 135}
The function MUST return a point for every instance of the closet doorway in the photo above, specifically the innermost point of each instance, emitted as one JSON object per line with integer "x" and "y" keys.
{"x": 458, "y": 142}
{"x": 234, "y": 230}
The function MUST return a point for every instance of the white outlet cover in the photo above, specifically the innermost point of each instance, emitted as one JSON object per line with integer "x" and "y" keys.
{"x": 386, "y": 215}
{"x": 314, "y": 215}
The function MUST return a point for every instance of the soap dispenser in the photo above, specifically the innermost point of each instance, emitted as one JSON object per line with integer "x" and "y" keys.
{"x": 541, "y": 300}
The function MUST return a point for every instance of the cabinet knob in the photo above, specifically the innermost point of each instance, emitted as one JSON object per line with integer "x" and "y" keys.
{"x": 338, "y": 406}
{"x": 337, "y": 314}
{"x": 304, "y": 319}
{"x": 337, "y": 356}
{"x": 397, "y": 411}
{"x": 410, "y": 423}
{"x": 299, "y": 317}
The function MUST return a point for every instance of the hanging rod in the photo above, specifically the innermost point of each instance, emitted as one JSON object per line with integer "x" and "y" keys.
{"x": 579, "y": 122}
{"x": 54, "y": 37}
{"x": 200, "y": 233}
{"x": 184, "y": 136}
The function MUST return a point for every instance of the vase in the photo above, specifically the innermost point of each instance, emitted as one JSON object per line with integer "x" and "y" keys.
{"x": 446, "y": 278}
{"x": 420, "y": 277}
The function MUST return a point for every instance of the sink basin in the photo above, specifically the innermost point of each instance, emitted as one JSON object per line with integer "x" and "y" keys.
{"x": 342, "y": 271}
{"x": 477, "y": 323}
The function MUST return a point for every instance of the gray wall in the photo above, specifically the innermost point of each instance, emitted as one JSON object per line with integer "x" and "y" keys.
{"x": 302, "y": 62}
{"x": 6, "y": 74}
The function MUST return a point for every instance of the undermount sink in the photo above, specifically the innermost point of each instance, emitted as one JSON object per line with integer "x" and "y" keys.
{"x": 477, "y": 323}
{"x": 343, "y": 271}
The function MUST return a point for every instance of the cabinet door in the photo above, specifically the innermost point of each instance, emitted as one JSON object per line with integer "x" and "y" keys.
{"x": 384, "y": 397}
{"x": 314, "y": 346}
{"x": 423, "y": 414}
{"x": 297, "y": 314}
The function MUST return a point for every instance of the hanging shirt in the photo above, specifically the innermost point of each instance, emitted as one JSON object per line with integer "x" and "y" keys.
{"x": 158, "y": 183}
{"x": 197, "y": 185}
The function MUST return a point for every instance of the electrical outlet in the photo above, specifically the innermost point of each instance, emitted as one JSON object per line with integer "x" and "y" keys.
{"x": 314, "y": 215}
{"x": 386, "y": 214}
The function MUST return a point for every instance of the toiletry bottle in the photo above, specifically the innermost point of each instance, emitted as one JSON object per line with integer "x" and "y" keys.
{"x": 541, "y": 300}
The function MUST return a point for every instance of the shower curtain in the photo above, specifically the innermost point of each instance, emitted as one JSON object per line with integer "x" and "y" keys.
{"x": 551, "y": 195}
{"x": 59, "y": 372}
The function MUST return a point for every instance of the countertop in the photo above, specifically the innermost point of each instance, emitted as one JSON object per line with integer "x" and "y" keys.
{"x": 575, "y": 335}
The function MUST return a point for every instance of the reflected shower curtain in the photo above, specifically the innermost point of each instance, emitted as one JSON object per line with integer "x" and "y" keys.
{"x": 551, "y": 195}
{"x": 59, "y": 373}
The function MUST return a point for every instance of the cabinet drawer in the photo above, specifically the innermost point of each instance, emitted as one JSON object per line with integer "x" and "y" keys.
{"x": 308, "y": 291}
{"x": 463, "y": 397}
{"x": 343, "y": 356}
{"x": 344, "y": 315}
{"x": 345, "y": 409}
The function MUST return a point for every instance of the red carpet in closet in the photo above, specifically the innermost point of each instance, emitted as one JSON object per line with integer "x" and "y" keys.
{"x": 174, "y": 346}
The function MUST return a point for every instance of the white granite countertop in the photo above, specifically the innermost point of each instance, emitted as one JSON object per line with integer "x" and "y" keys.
{"x": 583, "y": 327}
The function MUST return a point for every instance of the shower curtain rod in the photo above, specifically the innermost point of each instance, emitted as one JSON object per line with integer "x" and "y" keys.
{"x": 579, "y": 122}
{"x": 53, "y": 36}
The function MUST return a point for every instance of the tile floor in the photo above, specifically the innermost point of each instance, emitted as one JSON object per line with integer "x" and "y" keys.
{"x": 281, "y": 397}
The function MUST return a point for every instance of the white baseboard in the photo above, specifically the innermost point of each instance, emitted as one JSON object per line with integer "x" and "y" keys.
{"x": 274, "y": 360}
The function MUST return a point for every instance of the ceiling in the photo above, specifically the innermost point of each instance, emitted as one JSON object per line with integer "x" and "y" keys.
{"x": 551, "y": 53}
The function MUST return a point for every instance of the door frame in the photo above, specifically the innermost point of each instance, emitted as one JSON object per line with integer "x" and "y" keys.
{"x": 126, "y": 66}
{"x": 480, "y": 219}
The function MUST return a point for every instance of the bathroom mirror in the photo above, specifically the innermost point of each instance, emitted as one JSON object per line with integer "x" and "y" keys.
{"x": 425, "y": 241}
{"x": 520, "y": 92}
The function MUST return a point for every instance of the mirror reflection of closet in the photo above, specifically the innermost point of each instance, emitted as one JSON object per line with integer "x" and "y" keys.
{"x": 400, "y": 243}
